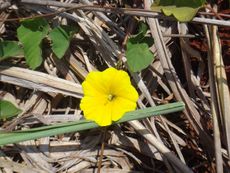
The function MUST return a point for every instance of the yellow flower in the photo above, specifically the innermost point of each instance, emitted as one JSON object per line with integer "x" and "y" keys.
{"x": 107, "y": 96}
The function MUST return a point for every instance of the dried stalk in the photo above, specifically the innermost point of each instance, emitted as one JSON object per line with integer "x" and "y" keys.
{"x": 191, "y": 113}
{"x": 39, "y": 81}
{"x": 127, "y": 11}
{"x": 159, "y": 146}
{"x": 214, "y": 103}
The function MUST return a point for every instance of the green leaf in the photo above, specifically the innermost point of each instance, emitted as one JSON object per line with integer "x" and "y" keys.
{"x": 143, "y": 27}
{"x": 35, "y": 133}
{"x": 142, "y": 30}
{"x": 182, "y": 10}
{"x": 30, "y": 34}
{"x": 10, "y": 49}
{"x": 137, "y": 40}
{"x": 138, "y": 56}
{"x": 7, "y": 109}
{"x": 60, "y": 37}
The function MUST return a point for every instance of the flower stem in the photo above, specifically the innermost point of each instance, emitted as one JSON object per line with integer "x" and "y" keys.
{"x": 104, "y": 130}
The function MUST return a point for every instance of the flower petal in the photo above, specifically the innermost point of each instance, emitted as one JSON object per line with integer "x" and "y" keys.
{"x": 120, "y": 106}
{"x": 94, "y": 84}
{"x": 105, "y": 117}
{"x": 120, "y": 84}
{"x": 97, "y": 109}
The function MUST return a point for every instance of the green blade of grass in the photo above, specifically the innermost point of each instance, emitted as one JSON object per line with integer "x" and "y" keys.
{"x": 35, "y": 133}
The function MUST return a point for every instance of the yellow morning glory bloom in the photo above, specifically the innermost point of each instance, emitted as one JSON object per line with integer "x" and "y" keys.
{"x": 107, "y": 96}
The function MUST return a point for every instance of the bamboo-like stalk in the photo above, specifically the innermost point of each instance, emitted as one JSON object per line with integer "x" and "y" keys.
{"x": 222, "y": 87}
{"x": 214, "y": 100}
{"x": 35, "y": 133}
{"x": 223, "y": 98}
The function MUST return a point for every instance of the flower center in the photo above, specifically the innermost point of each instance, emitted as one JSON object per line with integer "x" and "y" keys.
{"x": 110, "y": 97}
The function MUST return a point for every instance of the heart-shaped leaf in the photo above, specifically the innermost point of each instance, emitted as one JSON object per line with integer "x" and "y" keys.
{"x": 182, "y": 10}
{"x": 138, "y": 54}
{"x": 60, "y": 37}
{"x": 30, "y": 34}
